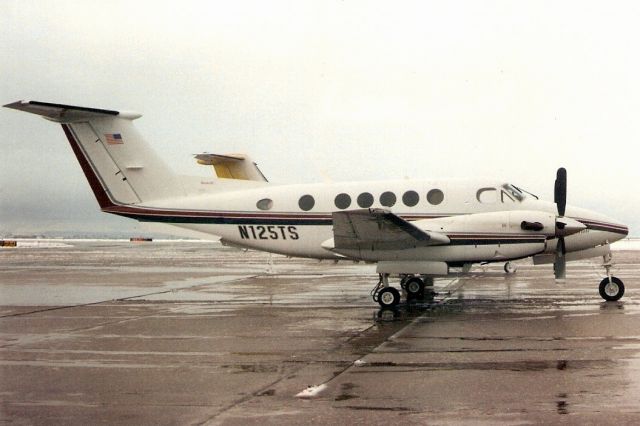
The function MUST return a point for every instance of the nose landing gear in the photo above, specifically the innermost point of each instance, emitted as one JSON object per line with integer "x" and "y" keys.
{"x": 611, "y": 288}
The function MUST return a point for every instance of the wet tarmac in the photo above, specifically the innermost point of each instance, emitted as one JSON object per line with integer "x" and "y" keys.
{"x": 169, "y": 333}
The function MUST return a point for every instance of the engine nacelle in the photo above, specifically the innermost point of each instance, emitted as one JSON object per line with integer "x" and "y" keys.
{"x": 505, "y": 222}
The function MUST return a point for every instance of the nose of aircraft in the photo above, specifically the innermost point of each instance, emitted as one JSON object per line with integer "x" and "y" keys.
{"x": 619, "y": 229}
{"x": 613, "y": 230}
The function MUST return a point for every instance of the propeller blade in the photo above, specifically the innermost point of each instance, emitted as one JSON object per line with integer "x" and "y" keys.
{"x": 560, "y": 269}
{"x": 560, "y": 264}
{"x": 560, "y": 190}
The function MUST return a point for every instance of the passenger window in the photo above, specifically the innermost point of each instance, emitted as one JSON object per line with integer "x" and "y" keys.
{"x": 265, "y": 204}
{"x": 435, "y": 197}
{"x": 487, "y": 195}
{"x": 410, "y": 198}
{"x": 306, "y": 202}
{"x": 388, "y": 199}
{"x": 342, "y": 201}
{"x": 365, "y": 200}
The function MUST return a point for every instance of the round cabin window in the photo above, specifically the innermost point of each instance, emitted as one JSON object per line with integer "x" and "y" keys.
{"x": 435, "y": 197}
{"x": 306, "y": 202}
{"x": 365, "y": 200}
{"x": 388, "y": 199}
{"x": 410, "y": 198}
{"x": 342, "y": 201}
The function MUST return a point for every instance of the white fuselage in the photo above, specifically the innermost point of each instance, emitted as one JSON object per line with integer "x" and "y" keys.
{"x": 471, "y": 220}
{"x": 286, "y": 228}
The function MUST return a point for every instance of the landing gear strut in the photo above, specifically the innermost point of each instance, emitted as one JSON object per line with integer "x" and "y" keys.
{"x": 611, "y": 288}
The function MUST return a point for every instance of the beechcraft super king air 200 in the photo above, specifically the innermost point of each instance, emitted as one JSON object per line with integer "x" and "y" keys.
{"x": 413, "y": 230}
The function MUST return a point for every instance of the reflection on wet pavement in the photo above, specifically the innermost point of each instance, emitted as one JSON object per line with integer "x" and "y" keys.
{"x": 195, "y": 333}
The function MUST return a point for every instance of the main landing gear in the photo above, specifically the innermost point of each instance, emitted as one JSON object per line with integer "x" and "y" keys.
{"x": 414, "y": 286}
{"x": 611, "y": 288}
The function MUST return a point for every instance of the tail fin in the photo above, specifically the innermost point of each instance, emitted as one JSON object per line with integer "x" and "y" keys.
{"x": 119, "y": 165}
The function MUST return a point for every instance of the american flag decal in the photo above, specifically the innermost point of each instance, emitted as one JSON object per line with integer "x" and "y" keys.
{"x": 114, "y": 138}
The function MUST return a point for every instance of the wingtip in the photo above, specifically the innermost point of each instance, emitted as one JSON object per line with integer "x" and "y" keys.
{"x": 13, "y": 105}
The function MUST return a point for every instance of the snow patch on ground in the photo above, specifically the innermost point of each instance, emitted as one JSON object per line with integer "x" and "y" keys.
{"x": 312, "y": 391}
{"x": 626, "y": 244}
{"x": 42, "y": 244}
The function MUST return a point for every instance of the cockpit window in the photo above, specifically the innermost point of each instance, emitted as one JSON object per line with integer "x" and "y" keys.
{"x": 506, "y": 193}
{"x": 511, "y": 192}
{"x": 487, "y": 195}
{"x": 524, "y": 191}
{"x": 506, "y": 198}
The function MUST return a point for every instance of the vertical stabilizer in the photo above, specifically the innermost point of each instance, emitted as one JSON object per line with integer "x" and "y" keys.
{"x": 119, "y": 164}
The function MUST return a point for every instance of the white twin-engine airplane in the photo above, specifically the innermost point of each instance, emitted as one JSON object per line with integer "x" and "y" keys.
{"x": 412, "y": 229}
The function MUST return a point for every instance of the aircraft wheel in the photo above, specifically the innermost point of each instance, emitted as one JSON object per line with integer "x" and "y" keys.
{"x": 403, "y": 281}
{"x": 510, "y": 268}
{"x": 388, "y": 297}
{"x": 414, "y": 288}
{"x": 611, "y": 291}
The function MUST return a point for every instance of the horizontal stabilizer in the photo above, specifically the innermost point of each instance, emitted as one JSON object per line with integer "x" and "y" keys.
{"x": 379, "y": 229}
{"x": 68, "y": 113}
{"x": 232, "y": 166}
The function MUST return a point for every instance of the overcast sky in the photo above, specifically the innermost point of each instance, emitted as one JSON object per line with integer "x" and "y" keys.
{"x": 322, "y": 90}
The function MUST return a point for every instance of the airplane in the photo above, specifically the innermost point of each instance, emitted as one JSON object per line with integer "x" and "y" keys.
{"x": 413, "y": 230}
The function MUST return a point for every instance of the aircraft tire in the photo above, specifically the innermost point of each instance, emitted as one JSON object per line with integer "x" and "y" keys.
{"x": 611, "y": 291}
{"x": 403, "y": 281}
{"x": 388, "y": 297}
{"x": 510, "y": 268}
{"x": 415, "y": 288}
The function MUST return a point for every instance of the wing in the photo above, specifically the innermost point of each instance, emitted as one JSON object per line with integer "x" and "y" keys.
{"x": 378, "y": 229}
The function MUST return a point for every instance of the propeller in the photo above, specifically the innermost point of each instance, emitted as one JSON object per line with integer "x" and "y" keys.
{"x": 560, "y": 263}
{"x": 560, "y": 190}
{"x": 560, "y": 198}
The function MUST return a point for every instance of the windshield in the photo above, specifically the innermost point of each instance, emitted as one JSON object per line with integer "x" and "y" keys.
{"x": 523, "y": 191}
{"x": 513, "y": 191}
